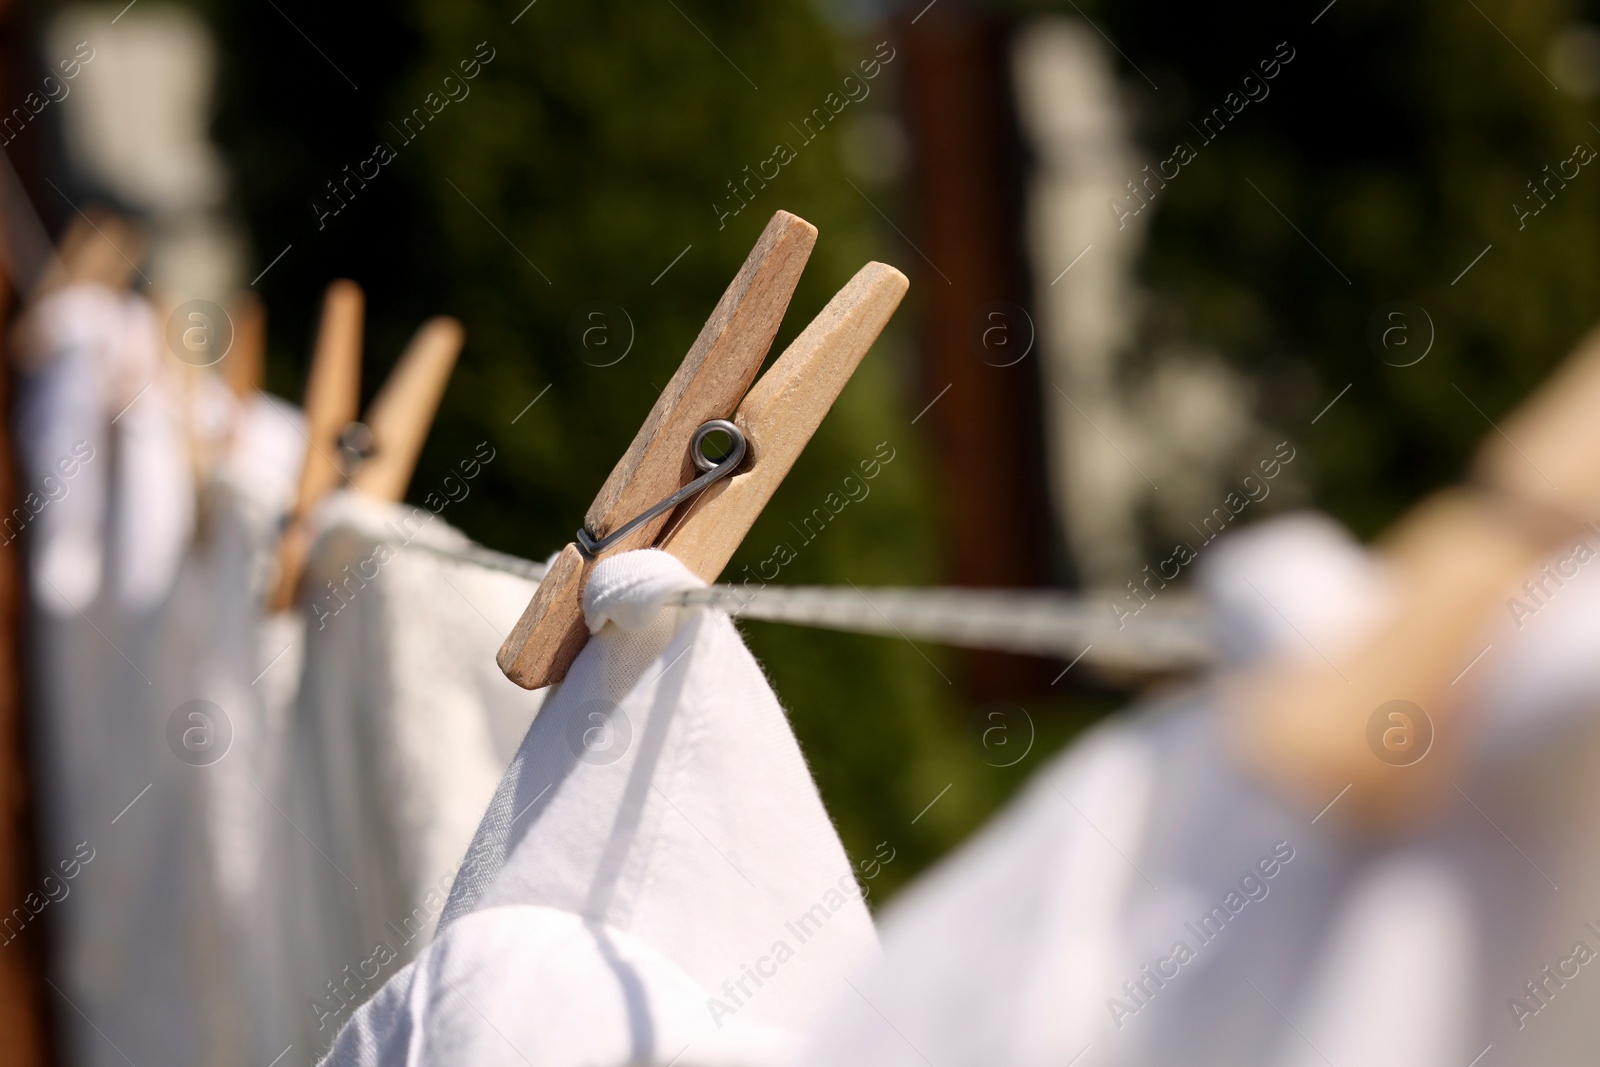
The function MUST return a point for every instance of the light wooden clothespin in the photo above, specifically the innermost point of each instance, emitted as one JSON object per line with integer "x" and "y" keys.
{"x": 98, "y": 248}
{"x": 1348, "y": 718}
{"x": 397, "y": 422}
{"x": 775, "y": 421}
{"x": 403, "y": 410}
{"x": 244, "y": 367}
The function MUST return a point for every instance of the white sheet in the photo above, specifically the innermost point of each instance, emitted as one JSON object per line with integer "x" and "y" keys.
{"x": 656, "y": 880}
{"x": 132, "y": 928}
{"x": 401, "y": 727}
{"x": 224, "y": 650}
{"x": 1054, "y": 937}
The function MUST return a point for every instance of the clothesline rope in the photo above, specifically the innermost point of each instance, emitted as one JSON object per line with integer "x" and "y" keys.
{"x": 1167, "y": 637}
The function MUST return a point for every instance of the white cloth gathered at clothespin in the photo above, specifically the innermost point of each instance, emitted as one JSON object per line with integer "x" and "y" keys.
{"x": 1146, "y": 902}
{"x": 655, "y": 881}
{"x": 93, "y": 374}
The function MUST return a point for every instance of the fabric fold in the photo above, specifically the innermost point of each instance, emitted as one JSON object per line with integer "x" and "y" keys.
{"x": 1146, "y": 902}
{"x": 658, "y": 846}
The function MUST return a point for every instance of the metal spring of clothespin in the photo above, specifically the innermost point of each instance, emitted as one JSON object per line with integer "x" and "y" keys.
{"x": 357, "y": 444}
{"x": 716, "y": 381}
{"x": 715, "y": 469}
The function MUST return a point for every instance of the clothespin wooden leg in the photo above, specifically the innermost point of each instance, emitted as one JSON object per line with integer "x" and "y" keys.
{"x": 707, "y": 385}
{"x": 780, "y": 415}
{"x": 403, "y": 410}
{"x": 777, "y": 419}
{"x": 333, "y": 392}
{"x": 244, "y": 366}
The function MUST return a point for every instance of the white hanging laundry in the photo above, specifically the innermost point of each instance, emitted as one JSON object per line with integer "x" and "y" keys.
{"x": 233, "y": 670}
{"x": 656, "y": 880}
{"x": 117, "y": 807}
{"x": 153, "y": 487}
{"x": 97, "y": 391}
{"x": 63, "y": 430}
{"x": 1144, "y": 902}
{"x": 401, "y": 728}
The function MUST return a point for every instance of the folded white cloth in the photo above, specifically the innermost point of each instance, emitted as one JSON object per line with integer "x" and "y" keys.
{"x": 1143, "y": 902}
{"x": 656, "y": 880}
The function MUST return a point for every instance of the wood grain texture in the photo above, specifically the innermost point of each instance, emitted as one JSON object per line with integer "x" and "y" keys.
{"x": 551, "y": 631}
{"x": 402, "y": 412}
{"x": 707, "y": 385}
{"x": 709, "y": 382}
{"x": 333, "y": 392}
{"x": 781, "y": 413}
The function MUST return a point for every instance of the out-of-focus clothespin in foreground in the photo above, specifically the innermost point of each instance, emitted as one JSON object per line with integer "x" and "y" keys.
{"x": 1330, "y": 723}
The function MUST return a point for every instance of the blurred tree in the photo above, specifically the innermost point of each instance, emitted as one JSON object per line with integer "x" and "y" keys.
{"x": 1397, "y": 141}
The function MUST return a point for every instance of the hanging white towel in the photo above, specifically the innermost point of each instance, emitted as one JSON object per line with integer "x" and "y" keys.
{"x": 655, "y": 881}
{"x": 401, "y": 727}
{"x": 1144, "y": 902}
{"x": 63, "y": 431}
{"x": 233, "y": 671}
{"x": 103, "y": 452}
{"x": 153, "y": 488}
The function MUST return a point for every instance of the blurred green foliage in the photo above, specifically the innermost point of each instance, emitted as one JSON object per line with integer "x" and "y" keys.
{"x": 592, "y": 147}
{"x": 585, "y": 156}
{"x": 589, "y": 151}
{"x": 1397, "y": 141}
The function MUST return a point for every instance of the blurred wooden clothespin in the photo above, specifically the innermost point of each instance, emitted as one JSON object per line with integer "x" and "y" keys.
{"x": 768, "y": 432}
{"x": 244, "y": 367}
{"x": 97, "y": 248}
{"x": 1388, "y": 722}
{"x": 379, "y": 456}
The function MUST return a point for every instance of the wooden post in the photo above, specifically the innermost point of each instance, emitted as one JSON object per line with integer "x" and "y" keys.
{"x": 25, "y": 1008}
{"x": 987, "y": 427}
{"x": 23, "y": 1028}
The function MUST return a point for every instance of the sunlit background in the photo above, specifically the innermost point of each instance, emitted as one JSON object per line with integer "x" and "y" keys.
{"x": 1150, "y": 247}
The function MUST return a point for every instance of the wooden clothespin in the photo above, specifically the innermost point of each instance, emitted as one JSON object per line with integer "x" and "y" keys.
{"x": 333, "y": 390}
{"x": 403, "y": 410}
{"x": 244, "y": 367}
{"x": 775, "y": 421}
{"x": 99, "y": 246}
{"x": 1347, "y": 719}
{"x": 397, "y": 422}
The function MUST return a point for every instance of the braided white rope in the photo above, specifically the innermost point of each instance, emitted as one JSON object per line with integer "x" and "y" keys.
{"x": 1058, "y": 625}
{"x": 1169, "y": 636}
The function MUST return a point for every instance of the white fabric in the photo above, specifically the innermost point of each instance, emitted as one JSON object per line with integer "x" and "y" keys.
{"x": 133, "y": 948}
{"x": 1052, "y": 938}
{"x": 655, "y": 881}
{"x": 400, "y": 730}
{"x": 97, "y": 386}
{"x": 225, "y": 650}
{"x": 154, "y": 487}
